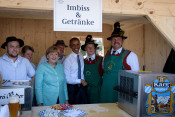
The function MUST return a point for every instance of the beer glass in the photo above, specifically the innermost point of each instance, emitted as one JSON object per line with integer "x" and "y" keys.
{"x": 13, "y": 106}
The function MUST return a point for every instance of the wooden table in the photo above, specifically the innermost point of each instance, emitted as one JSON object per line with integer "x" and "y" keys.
{"x": 92, "y": 110}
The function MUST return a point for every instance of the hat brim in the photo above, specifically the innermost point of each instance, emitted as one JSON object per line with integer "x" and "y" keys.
{"x": 65, "y": 46}
{"x": 83, "y": 46}
{"x": 123, "y": 37}
{"x": 21, "y": 43}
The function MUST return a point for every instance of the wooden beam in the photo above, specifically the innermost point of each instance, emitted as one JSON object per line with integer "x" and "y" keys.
{"x": 28, "y": 4}
{"x": 166, "y": 29}
{"x": 162, "y": 7}
{"x": 157, "y": 11}
{"x": 26, "y": 13}
{"x": 159, "y": 1}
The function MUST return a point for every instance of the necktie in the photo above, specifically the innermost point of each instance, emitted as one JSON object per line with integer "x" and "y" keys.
{"x": 79, "y": 67}
{"x": 89, "y": 59}
{"x": 60, "y": 58}
{"x": 113, "y": 53}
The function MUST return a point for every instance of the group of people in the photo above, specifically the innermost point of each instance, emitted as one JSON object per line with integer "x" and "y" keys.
{"x": 70, "y": 79}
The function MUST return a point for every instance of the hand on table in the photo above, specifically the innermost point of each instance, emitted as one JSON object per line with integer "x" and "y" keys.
{"x": 66, "y": 102}
{"x": 40, "y": 105}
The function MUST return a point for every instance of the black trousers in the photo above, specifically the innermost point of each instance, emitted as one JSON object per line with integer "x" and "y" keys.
{"x": 77, "y": 94}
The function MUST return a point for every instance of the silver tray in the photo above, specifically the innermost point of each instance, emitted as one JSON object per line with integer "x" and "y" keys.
{"x": 16, "y": 83}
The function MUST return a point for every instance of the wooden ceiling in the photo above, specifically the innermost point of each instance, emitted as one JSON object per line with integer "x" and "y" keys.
{"x": 48, "y": 14}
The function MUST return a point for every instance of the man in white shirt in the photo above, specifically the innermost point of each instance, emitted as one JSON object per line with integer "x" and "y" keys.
{"x": 61, "y": 47}
{"x": 12, "y": 65}
{"x": 73, "y": 68}
{"x": 116, "y": 59}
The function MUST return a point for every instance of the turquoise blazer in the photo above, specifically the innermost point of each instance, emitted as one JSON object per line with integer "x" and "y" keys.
{"x": 50, "y": 83}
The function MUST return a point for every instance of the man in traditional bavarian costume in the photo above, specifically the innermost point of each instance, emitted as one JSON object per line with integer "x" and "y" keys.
{"x": 116, "y": 59}
{"x": 92, "y": 70}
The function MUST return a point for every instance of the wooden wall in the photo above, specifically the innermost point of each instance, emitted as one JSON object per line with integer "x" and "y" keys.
{"x": 40, "y": 35}
{"x": 157, "y": 49}
{"x": 150, "y": 47}
{"x": 134, "y": 42}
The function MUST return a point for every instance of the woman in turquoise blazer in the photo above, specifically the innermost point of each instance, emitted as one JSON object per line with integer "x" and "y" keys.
{"x": 50, "y": 82}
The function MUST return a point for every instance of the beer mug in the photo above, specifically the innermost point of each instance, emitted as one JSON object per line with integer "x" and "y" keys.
{"x": 13, "y": 106}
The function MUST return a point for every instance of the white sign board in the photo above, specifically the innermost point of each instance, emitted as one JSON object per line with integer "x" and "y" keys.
{"x": 78, "y": 15}
{"x": 6, "y": 93}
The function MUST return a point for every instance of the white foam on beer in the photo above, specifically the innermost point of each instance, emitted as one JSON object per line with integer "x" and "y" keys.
{"x": 13, "y": 99}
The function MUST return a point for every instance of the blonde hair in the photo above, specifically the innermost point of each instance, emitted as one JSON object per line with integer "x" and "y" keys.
{"x": 52, "y": 49}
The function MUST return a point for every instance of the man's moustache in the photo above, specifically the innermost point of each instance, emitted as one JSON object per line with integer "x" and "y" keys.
{"x": 117, "y": 43}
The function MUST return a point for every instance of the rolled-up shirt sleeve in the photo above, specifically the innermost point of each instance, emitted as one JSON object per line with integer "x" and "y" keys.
{"x": 82, "y": 68}
{"x": 70, "y": 70}
{"x": 30, "y": 69}
{"x": 133, "y": 61}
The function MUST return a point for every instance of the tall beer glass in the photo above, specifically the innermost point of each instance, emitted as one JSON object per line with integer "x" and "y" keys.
{"x": 13, "y": 106}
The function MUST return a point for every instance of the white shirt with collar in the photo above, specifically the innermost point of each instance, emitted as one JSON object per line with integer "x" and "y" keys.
{"x": 71, "y": 68}
{"x": 21, "y": 69}
{"x": 131, "y": 60}
{"x": 92, "y": 57}
{"x": 116, "y": 51}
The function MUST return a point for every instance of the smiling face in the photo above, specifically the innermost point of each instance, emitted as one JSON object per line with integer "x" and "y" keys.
{"x": 52, "y": 57}
{"x": 13, "y": 48}
{"x": 61, "y": 49}
{"x": 75, "y": 46}
{"x": 90, "y": 49}
{"x": 28, "y": 54}
{"x": 117, "y": 42}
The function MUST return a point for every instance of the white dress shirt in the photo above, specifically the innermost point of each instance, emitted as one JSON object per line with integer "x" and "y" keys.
{"x": 71, "y": 68}
{"x": 92, "y": 57}
{"x": 33, "y": 66}
{"x": 131, "y": 60}
{"x": 21, "y": 69}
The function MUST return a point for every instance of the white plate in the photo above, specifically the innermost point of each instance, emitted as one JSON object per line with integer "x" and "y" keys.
{"x": 50, "y": 113}
{"x": 73, "y": 113}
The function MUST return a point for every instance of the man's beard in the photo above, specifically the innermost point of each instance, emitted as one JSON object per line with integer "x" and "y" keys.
{"x": 12, "y": 56}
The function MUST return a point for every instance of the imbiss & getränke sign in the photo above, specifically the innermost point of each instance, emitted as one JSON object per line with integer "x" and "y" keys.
{"x": 78, "y": 15}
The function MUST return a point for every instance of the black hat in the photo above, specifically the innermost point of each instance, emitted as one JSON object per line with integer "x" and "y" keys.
{"x": 117, "y": 32}
{"x": 60, "y": 42}
{"x": 88, "y": 41}
{"x": 9, "y": 39}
